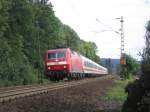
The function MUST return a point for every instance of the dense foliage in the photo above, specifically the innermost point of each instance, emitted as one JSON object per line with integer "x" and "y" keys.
{"x": 138, "y": 99}
{"x": 27, "y": 29}
{"x": 146, "y": 52}
{"x": 132, "y": 67}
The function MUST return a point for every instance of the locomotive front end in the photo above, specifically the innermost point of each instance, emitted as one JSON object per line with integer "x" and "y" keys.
{"x": 56, "y": 65}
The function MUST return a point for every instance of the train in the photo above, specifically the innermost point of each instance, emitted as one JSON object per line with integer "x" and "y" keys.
{"x": 66, "y": 63}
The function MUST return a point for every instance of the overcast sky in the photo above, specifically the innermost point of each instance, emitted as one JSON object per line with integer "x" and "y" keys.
{"x": 81, "y": 15}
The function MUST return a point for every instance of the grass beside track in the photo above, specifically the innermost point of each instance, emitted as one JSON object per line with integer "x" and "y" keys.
{"x": 117, "y": 92}
{"x": 116, "y": 95}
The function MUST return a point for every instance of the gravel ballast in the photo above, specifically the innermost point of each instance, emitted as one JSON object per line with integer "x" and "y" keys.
{"x": 81, "y": 98}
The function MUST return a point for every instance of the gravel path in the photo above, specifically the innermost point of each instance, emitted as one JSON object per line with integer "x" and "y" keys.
{"x": 83, "y": 98}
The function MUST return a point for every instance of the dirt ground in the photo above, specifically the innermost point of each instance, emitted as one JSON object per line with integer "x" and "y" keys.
{"x": 83, "y": 98}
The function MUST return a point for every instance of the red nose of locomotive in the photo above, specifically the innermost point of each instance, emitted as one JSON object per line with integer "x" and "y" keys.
{"x": 56, "y": 65}
{"x": 56, "y": 61}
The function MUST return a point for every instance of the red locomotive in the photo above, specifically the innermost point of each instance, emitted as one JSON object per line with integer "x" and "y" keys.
{"x": 61, "y": 63}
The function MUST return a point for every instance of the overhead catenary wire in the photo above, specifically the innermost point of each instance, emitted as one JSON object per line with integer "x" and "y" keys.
{"x": 110, "y": 28}
{"x": 97, "y": 31}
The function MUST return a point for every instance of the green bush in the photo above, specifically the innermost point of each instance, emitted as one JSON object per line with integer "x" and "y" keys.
{"x": 117, "y": 92}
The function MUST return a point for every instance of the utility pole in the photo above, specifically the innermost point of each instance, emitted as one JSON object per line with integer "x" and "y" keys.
{"x": 122, "y": 37}
{"x": 122, "y": 51}
{"x": 123, "y": 72}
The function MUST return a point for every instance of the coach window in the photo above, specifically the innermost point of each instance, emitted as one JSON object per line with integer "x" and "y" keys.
{"x": 88, "y": 64}
{"x": 85, "y": 63}
{"x": 91, "y": 65}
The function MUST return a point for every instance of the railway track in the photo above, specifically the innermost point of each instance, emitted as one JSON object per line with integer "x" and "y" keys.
{"x": 10, "y": 93}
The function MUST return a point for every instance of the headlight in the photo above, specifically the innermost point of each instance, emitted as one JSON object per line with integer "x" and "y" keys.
{"x": 49, "y": 68}
{"x": 64, "y": 66}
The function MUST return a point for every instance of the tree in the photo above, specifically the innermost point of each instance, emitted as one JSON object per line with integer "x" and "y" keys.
{"x": 71, "y": 38}
{"x": 27, "y": 29}
{"x": 14, "y": 64}
{"x": 132, "y": 65}
{"x": 139, "y": 90}
{"x": 89, "y": 49}
{"x": 146, "y": 52}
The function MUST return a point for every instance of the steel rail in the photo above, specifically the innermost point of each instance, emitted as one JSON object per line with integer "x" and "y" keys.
{"x": 26, "y": 87}
{"x": 32, "y": 90}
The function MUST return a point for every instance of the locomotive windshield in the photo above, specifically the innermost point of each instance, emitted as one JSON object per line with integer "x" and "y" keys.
{"x": 56, "y": 55}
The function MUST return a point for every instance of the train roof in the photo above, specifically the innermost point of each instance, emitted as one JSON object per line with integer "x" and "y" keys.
{"x": 59, "y": 49}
